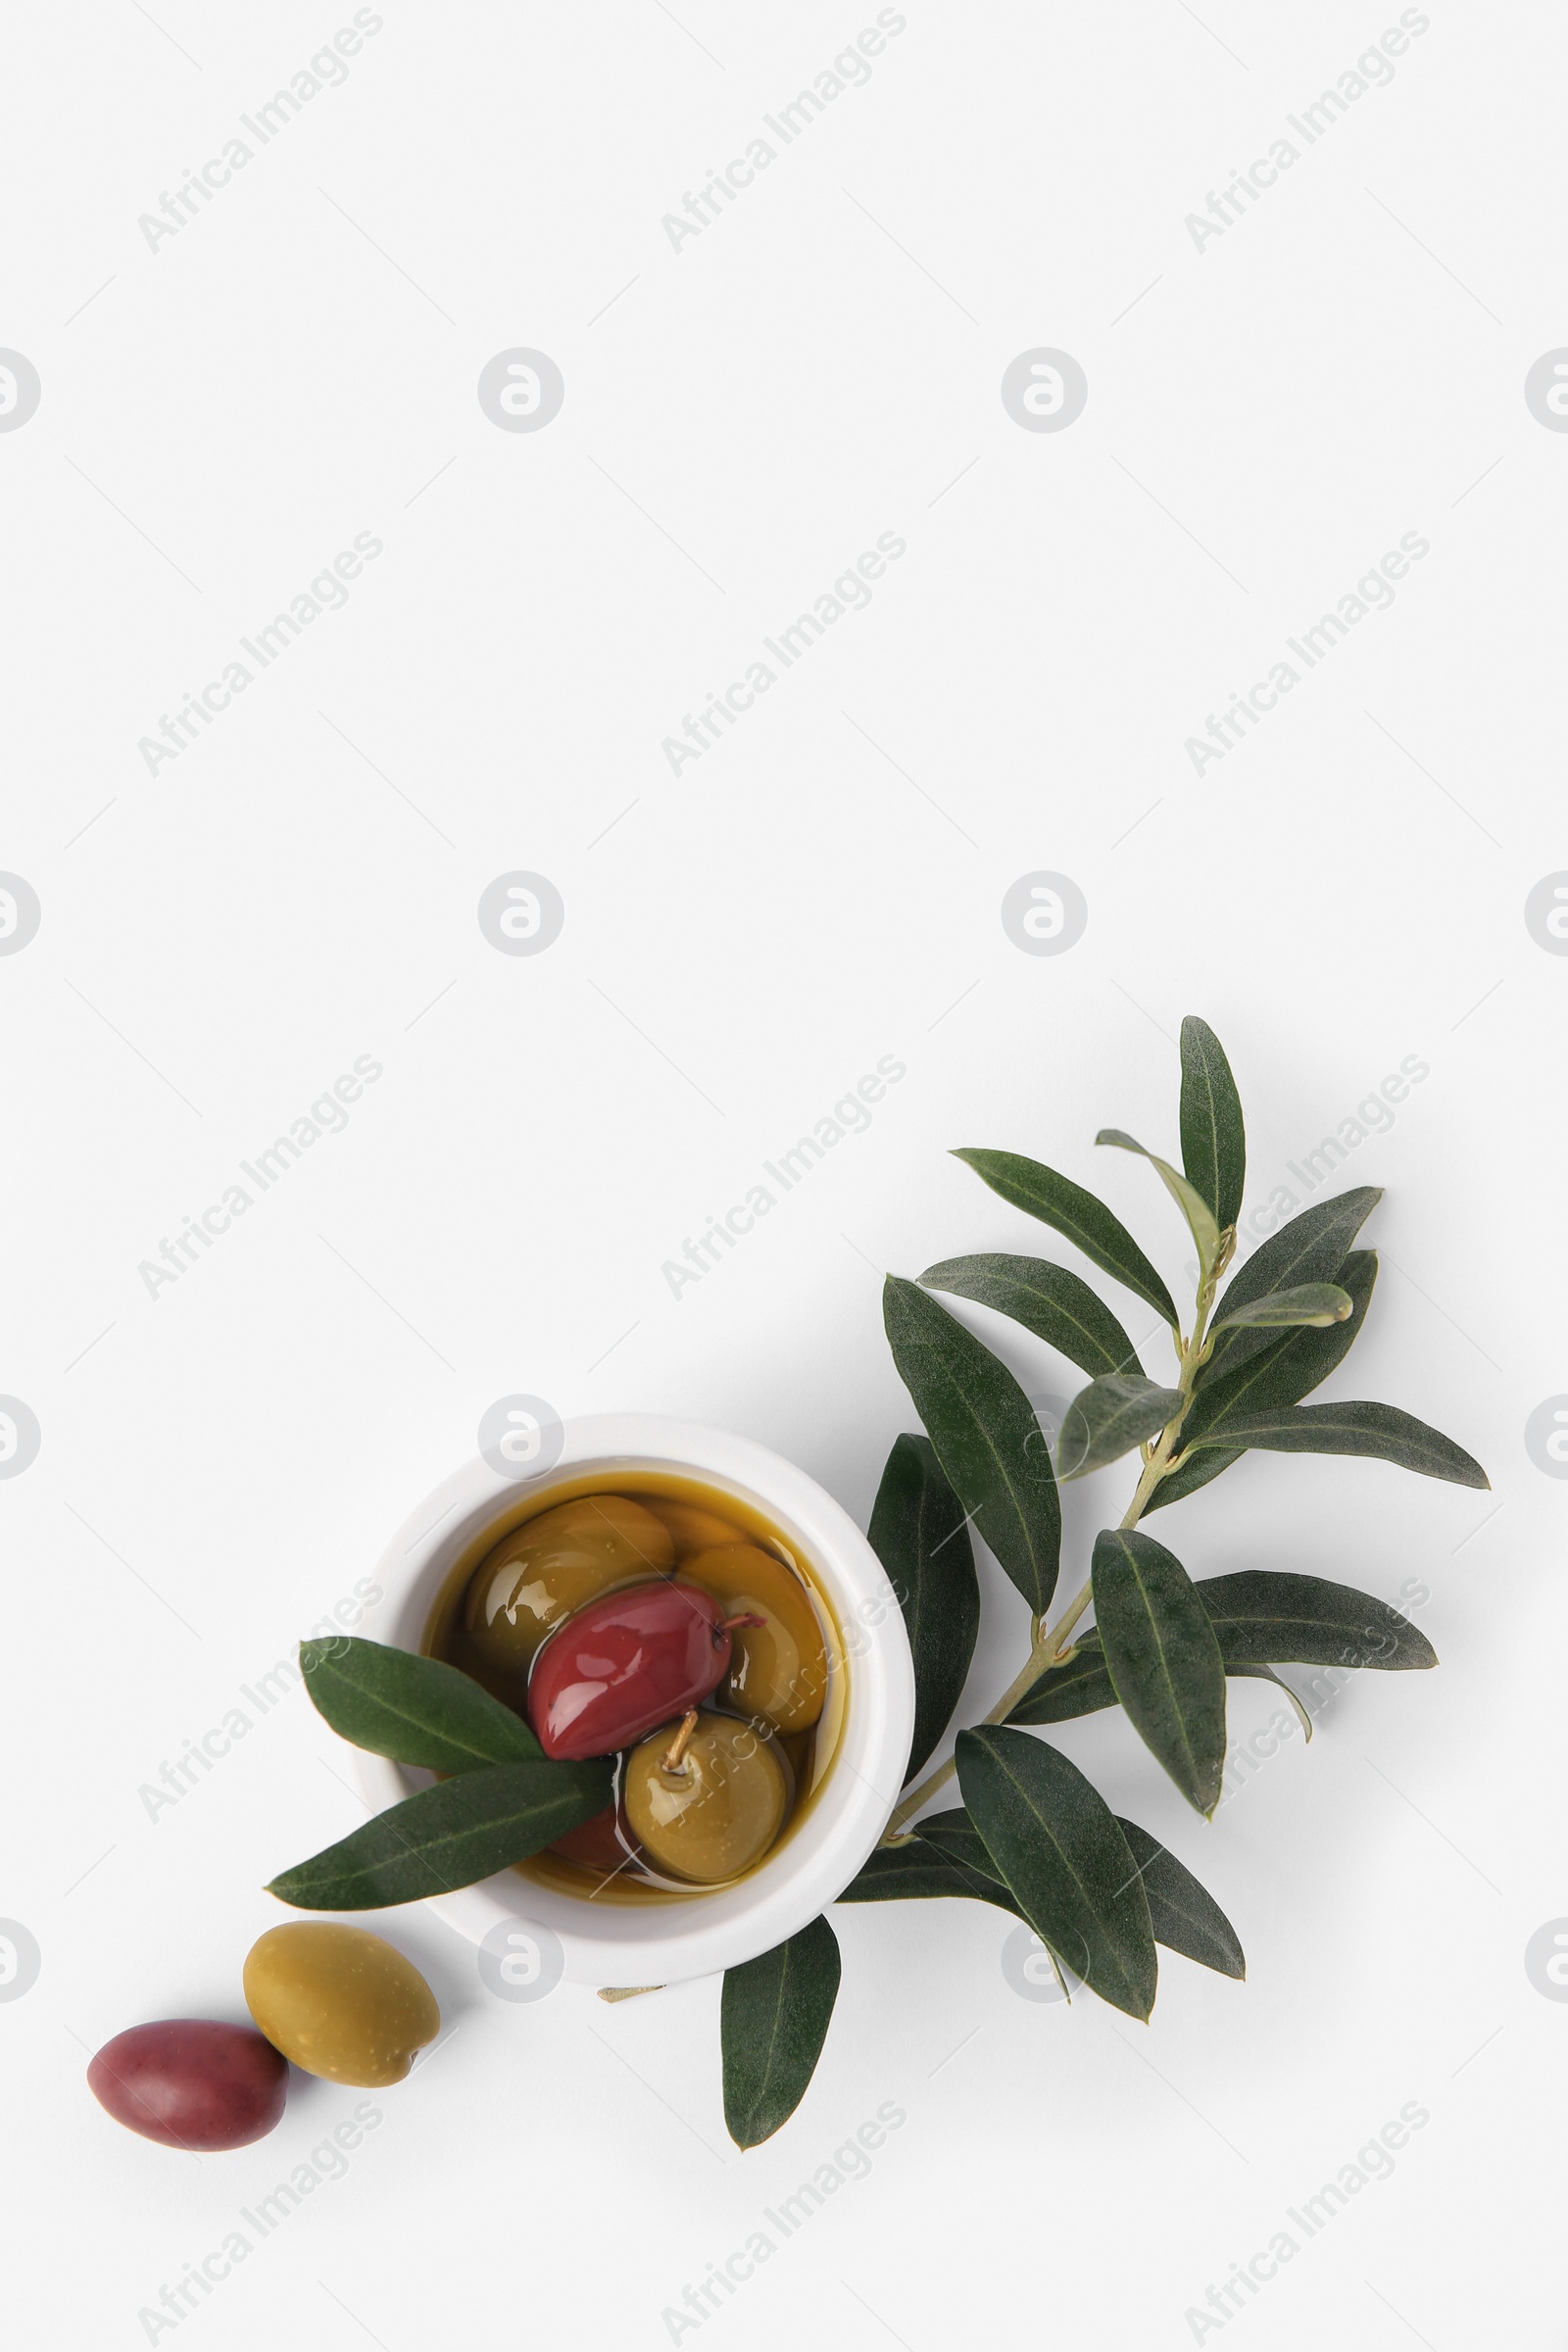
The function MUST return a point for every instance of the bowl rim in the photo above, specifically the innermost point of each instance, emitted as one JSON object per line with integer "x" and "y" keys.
{"x": 633, "y": 1944}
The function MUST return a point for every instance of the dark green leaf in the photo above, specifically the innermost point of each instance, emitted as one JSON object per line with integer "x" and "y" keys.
{"x": 895, "y": 1874}
{"x": 987, "y": 1437}
{"x": 1164, "y": 1658}
{"x": 1237, "y": 1671}
{"x": 1318, "y": 1305}
{"x": 415, "y": 1710}
{"x": 1290, "y": 1367}
{"x": 774, "y": 2019}
{"x": 1109, "y": 1418}
{"x": 1186, "y": 1917}
{"x": 955, "y": 1835}
{"x": 1268, "y": 1618}
{"x": 1062, "y": 1852}
{"x": 919, "y": 1533}
{"x": 1188, "y": 1198}
{"x": 1056, "y": 1307}
{"x": 1099, "y": 1235}
{"x": 1379, "y": 1431}
{"x": 1311, "y": 1248}
{"x": 1083, "y": 1685}
{"x": 1213, "y": 1138}
{"x": 453, "y": 1834}
{"x": 1080, "y": 1687}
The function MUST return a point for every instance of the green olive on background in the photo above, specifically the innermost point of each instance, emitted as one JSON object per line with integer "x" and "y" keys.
{"x": 705, "y": 1799}
{"x": 550, "y": 1566}
{"x": 692, "y": 1528}
{"x": 778, "y": 1670}
{"x": 339, "y": 2002}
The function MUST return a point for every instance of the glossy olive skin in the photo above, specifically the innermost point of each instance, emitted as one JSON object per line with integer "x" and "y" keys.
{"x": 625, "y": 1662}
{"x": 692, "y": 1528}
{"x": 552, "y": 1565}
{"x": 339, "y": 2001}
{"x": 717, "y": 1811}
{"x": 778, "y": 1671}
{"x": 191, "y": 2082}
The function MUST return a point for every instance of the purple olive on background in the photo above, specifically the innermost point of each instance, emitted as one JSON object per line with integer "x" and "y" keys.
{"x": 191, "y": 2082}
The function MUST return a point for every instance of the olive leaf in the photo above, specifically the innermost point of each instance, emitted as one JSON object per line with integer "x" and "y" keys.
{"x": 1098, "y": 1231}
{"x": 1185, "y": 1916}
{"x": 1213, "y": 1136}
{"x": 985, "y": 1433}
{"x": 1288, "y": 1368}
{"x": 1109, "y": 1418}
{"x": 1062, "y": 1854}
{"x": 1164, "y": 1658}
{"x": 916, "y": 1870}
{"x": 1279, "y": 1618}
{"x": 1083, "y": 1685}
{"x": 773, "y": 2015}
{"x": 1188, "y": 1198}
{"x": 1311, "y": 1248}
{"x": 1317, "y": 1303}
{"x": 416, "y": 1710}
{"x": 451, "y": 1835}
{"x": 1381, "y": 1432}
{"x": 919, "y": 1533}
{"x": 1058, "y": 1306}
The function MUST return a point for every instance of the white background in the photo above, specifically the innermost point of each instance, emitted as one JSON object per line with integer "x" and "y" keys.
{"x": 1344, "y": 365}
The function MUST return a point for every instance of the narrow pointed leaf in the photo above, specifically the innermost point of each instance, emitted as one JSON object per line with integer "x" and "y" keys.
{"x": 1109, "y": 1418}
{"x": 1236, "y": 1671}
{"x": 453, "y": 1834}
{"x": 955, "y": 1835}
{"x": 1062, "y": 1854}
{"x": 1278, "y": 1618}
{"x": 1056, "y": 1201}
{"x": 919, "y": 1533}
{"x": 1186, "y": 1917}
{"x": 986, "y": 1436}
{"x": 1290, "y": 1367}
{"x": 1058, "y": 1306}
{"x": 1379, "y": 1431}
{"x": 773, "y": 2014}
{"x": 1316, "y": 1304}
{"x": 1188, "y": 1198}
{"x": 416, "y": 1710}
{"x": 1163, "y": 1657}
{"x": 895, "y": 1874}
{"x": 1311, "y": 1248}
{"x": 1214, "y": 1137}
{"x": 1083, "y": 1685}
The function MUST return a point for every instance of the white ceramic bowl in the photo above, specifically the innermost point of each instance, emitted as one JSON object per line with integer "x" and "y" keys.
{"x": 658, "y": 1943}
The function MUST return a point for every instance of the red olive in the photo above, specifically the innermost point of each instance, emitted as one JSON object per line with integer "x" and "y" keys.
{"x": 625, "y": 1663}
{"x": 191, "y": 2082}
